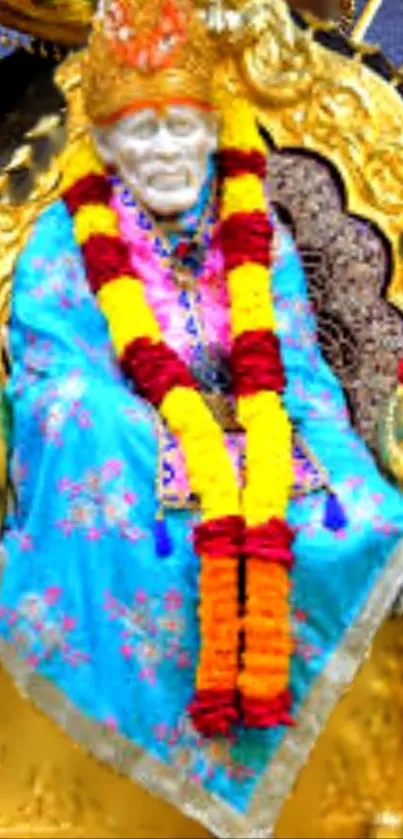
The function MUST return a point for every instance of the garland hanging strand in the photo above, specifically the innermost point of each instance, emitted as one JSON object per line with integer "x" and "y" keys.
{"x": 259, "y": 381}
{"x": 164, "y": 380}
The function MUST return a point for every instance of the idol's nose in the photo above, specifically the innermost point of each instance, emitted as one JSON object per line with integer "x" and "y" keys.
{"x": 165, "y": 145}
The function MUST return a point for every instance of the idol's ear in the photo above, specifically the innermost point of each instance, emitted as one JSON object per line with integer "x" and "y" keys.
{"x": 102, "y": 139}
{"x": 213, "y": 126}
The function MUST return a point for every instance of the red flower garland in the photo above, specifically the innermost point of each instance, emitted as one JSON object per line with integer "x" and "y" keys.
{"x": 155, "y": 368}
{"x": 92, "y": 189}
{"x": 105, "y": 258}
{"x": 245, "y": 237}
{"x": 256, "y": 364}
{"x": 271, "y": 542}
{"x": 220, "y": 538}
{"x": 235, "y": 162}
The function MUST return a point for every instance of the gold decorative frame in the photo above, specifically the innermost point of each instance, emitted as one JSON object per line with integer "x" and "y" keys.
{"x": 312, "y": 97}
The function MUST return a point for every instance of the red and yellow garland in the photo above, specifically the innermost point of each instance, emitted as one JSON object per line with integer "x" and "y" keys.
{"x": 243, "y": 540}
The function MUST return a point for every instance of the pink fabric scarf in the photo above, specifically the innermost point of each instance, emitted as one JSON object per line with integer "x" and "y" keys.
{"x": 164, "y": 296}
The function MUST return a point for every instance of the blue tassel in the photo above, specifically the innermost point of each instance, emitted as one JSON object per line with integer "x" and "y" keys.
{"x": 335, "y": 517}
{"x": 163, "y": 545}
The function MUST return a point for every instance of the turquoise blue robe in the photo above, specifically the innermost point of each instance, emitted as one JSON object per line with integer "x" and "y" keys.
{"x": 103, "y": 633}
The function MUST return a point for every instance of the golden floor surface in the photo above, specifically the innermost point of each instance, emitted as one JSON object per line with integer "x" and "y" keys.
{"x": 51, "y": 788}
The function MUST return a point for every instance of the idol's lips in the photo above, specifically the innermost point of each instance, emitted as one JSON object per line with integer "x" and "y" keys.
{"x": 169, "y": 180}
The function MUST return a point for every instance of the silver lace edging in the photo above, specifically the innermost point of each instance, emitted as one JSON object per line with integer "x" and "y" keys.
{"x": 276, "y": 784}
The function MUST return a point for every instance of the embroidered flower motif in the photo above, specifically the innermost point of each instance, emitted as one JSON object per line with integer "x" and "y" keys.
{"x": 58, "y": 402}
{"x": 40, "y": 628}
{"x": 24, "y": 540}
{"x": 61, "y": 278}
{"x": 99, "y": 503}
{"x": 152, "y": 49}
{"x": 150, "y": 632}
{"x": 172, "y": 600}
{"x": 304, "y": 641}
{"x": 201, "y": 759}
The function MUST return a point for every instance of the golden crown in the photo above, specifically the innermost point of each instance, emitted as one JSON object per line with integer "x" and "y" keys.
{"x": 150, "y": 52}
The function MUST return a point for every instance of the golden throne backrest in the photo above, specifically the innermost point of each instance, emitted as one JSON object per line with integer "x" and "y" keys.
{"x": 319, "y": 93}
{"x": 333, "y": 114}
{"x": 346, "y": 263}
{"x": 67, "y": 22}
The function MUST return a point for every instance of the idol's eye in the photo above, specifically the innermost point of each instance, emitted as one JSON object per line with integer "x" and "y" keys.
{"x": 144, "y": 129}
{"x": 181, "y": 126}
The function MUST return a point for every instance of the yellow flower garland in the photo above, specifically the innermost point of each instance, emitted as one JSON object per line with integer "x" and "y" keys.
{"x": 269, "y": 466}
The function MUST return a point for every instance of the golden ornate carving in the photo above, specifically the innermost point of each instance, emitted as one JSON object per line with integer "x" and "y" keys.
{"x": 355, "y": 769}
{"x": 390, "y": 435}
{"x": 63, "y": 21}
{"x": 51, "y": 788}
{"x": 347, "y": 14}
{"x": 315, "y": 99}
{"x": 68, "y": 21}
{"x": 387, "y": 825}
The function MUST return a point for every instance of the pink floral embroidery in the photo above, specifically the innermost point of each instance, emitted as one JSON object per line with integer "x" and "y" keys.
{"x": 40, "y": 628}
{"x": 61, "y": 278}
{"x": 60, "y": 401}
{"x": 52, "y": 595}
{"x": 100, "y": 502}
{"x": 172, "y": 600}
{"x": 23, "y": 539}
{"x": 304, "y": 646}
{"x": 200, "y": 758}
{"x": 111, "y": 723}
{"x": 150, "y": 633}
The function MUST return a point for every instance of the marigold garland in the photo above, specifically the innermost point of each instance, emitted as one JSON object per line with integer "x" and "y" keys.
{"x": 235, "y": 527}
{"x": 258, "y": 383}
{"x": 161, "y": 376}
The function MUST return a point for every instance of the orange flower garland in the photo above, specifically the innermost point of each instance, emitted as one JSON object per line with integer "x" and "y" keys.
{"x": 226, "y": 541}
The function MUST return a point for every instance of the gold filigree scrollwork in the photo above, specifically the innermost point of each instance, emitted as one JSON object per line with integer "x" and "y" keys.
{"x": 312, "y": 98}
{"x": 17, "y": 217}
{"x": 280, "y": 65}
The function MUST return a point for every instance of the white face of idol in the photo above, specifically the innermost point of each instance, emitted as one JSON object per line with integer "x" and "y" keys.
{"x": 161, "y": 155}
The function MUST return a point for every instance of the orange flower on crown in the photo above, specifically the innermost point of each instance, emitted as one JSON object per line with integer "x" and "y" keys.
{"x": 152, "y": 50}
{"x": 146, "y": 53}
